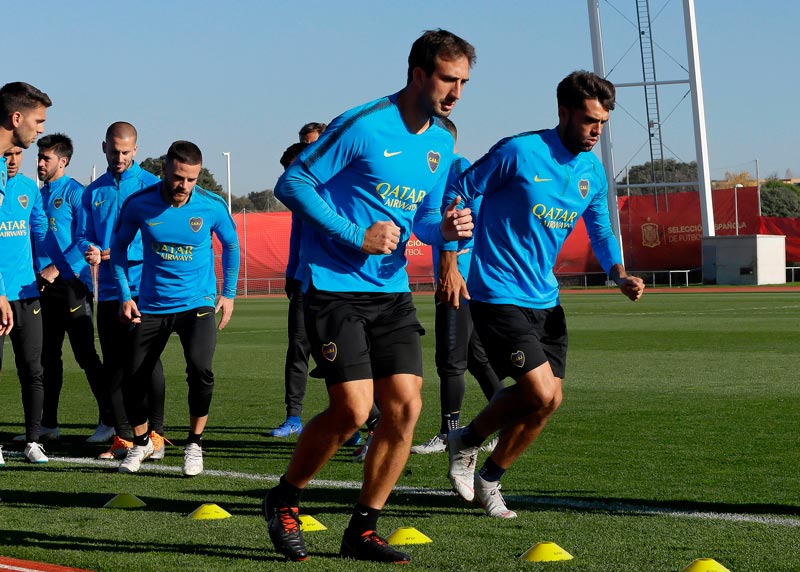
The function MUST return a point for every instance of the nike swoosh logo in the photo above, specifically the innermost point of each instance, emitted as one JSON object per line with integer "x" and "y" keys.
{"x": 36, "y": 311}
{"x": 392, "y": 154}
{"x": 98, "y": 203}
{"x": 75, "y": 309}
{"x": 201, "y": 314}
{"x": 154, "y": 223}
{"x": 536, "y": 179}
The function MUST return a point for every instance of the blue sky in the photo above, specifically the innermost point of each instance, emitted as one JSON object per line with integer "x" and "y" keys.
{"x": 243, "y": 75}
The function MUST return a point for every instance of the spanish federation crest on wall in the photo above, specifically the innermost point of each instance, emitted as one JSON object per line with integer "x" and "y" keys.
{"x": 583, "y": 187}
{"x": 23, "y": 201}
{"x": 196, "y": 223}
{"x": 650, "y": 237}
{"x": 433, "y": 160}
{"x": 58, "y": 202}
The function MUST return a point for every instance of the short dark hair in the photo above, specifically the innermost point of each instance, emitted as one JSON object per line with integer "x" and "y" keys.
{"x": 450, "y": 126}
{"x": 291, "y": 153}
{"x": 437, "y": 43}
{"x": 185, "y": 152}
{"x": 122, "y": 130}
{"x": 59, "y": 143}
{"x": 581, "y": 85}
{"x": 312, "y": 128}
{"x": 21, "y": 96}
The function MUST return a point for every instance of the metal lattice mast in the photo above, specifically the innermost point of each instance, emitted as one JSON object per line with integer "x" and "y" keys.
{"x": 650, "y": 90}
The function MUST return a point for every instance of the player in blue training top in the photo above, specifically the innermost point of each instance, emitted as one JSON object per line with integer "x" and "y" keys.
{"x": 66, "y": 301}
{"x": 298, "y": 351}
{"x": 23, "y": 223}
{"x": 102, "y": 201}
{"x": 458, "y": 347}
{"x": 535, "y": 187}
{"x": 177, "y": 220}
{"x": 358, "y": 190}
{"x": 23, "y": 111}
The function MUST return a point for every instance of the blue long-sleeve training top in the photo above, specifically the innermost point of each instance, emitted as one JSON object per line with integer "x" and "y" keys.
{"x": 102, "y": 201}
{"x": 178, "y": 255}
{"x": 534, "y": 191}
{"x": 366, "y": 167}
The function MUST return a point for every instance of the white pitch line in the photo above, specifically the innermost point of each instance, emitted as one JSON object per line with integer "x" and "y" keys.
{"x": 539, "y": 502}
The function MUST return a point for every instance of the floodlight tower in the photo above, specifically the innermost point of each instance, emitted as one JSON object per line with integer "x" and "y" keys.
{"x": 650, "y": 85}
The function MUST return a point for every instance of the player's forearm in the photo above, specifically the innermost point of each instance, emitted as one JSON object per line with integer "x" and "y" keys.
{"x": 297, "y": 191}
{"x": 230, "y": 269}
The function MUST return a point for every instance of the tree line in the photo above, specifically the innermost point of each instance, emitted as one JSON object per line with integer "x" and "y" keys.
{"x": 778, "y": 198}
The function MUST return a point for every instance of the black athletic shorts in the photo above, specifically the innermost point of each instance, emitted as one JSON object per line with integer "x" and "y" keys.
{"x": 519, "y": 339}
{"x": 362, "y": 335}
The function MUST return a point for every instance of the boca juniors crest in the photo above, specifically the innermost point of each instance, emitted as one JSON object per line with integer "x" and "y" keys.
{"x": 196, "y": 223}
{"x": 329, "y": 351}
{"x": 58, "y": 202}
{"x": 433, "y": 160}
{"x": 583, "y": 187}
{"x": 518, "y": 358}
{"x": 23, "y": 201}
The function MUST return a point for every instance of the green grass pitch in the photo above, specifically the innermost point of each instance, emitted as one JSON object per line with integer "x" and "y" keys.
{"x": 677, "y": 439}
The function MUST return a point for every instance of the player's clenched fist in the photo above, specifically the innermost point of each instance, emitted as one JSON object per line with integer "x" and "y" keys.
{"x": 381, "y": 238}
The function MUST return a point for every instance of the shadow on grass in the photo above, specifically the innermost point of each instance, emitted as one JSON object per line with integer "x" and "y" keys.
{"x": 650, "y": 506}
{"x": 117, "y": 543}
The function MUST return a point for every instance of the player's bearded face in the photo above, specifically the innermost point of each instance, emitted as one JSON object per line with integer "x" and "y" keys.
{"x": 580, "y": 129}
{"x": 442, "y": 89}
{"x": 179, "y": 180}
{"x": 120, "y": 152}
{"x": 29, "y": 124}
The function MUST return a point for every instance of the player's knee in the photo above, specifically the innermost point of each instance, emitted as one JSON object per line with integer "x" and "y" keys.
{"x": 402, "y": 414}
{"x": 348, "y": 418}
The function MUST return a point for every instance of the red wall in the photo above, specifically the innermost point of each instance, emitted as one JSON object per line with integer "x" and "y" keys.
{"x": 656, "y": 235}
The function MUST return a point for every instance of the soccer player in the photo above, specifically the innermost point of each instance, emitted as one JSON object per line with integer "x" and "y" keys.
{"x": 22, "y": 220}
{"x": 458, "y": 347}
{"x": 296, "y": 364}
{"x": 310, "y": 132}
{"x": 66, "y": 302}
{"x": 535, "y": 186}
{"x": 102, "y": 201}
{"x": 23, "y": 111}
{"x": 177, "y": 220}
{"x": 358, "y": 189}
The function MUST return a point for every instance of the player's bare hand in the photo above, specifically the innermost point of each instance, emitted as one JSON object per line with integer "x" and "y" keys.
{"x": 6, "y": 317}
{"x": 226, "y": 305}
{"x": 381, "y": 238}
{"x": 451, "y": 286}
{"x": 92, "y": 256}
{"x": 129, "y": 313}
{"x": 456, "y": 224}
{"x": 632, "y": 287}
{"x": 48, "y": 274}
{"x": 106, "y": 254}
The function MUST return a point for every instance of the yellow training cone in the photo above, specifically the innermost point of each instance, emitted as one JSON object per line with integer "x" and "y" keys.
{"x": 125, "y": 500}
{"x": 546, "y": 552}
{"x": 209, "y": 511}
{"x": 310, "y": 524}
{"x": 408, "y": 535}
{"x": 705, "y": 565}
